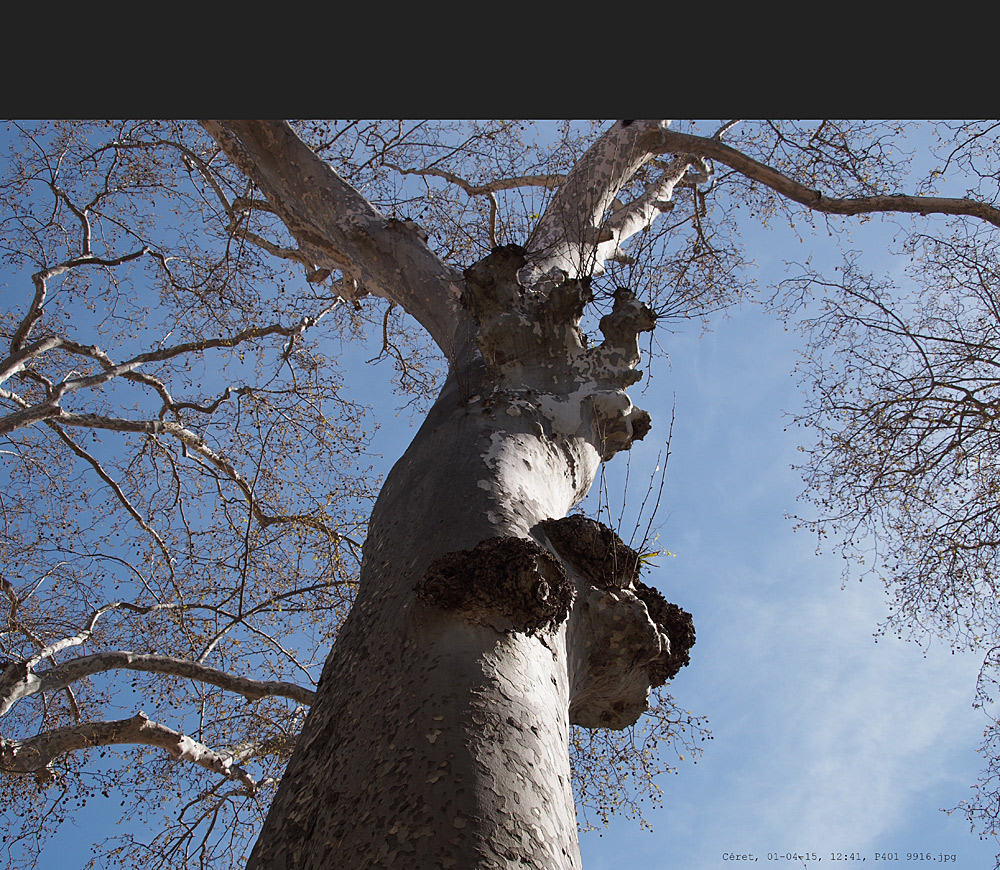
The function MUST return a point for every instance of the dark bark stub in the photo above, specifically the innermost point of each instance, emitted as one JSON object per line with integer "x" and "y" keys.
{"x": 678, "y": 626}
{"x": 621, "y": 329}
{"x": 596, "y": 552}
{"x": 508, "y": 583}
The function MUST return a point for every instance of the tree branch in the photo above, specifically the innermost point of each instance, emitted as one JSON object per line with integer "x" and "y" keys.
{"x": 36, "y": 754}
{"x": 573, "y": 239}
{"x": 197, "y": 445}
{"x": 30, "y": 414}
{"x": 340, "y": 230}
{"x": 41, "y": 280}
{"x": 53, "y": 414}
{"x": 549, "y": 181}
{"x": 815, "y": 199}
{"x": 19, "y": 359}
{"x": 21, "y": 682}
{"x": 128, "y": 368}
{"x": 112, "y": 484}
{"x": 642, "y": 211}
{"x": 80, "y": 637}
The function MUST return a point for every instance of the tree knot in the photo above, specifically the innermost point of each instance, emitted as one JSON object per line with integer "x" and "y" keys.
{"x": 596, "y": 553}
{"x": 510, "y": 583}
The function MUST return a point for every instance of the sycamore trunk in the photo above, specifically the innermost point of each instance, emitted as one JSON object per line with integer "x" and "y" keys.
{"x": 484, "y": 625}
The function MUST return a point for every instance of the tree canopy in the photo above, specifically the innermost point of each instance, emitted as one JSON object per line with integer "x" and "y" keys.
{"x": 186, "y": 481}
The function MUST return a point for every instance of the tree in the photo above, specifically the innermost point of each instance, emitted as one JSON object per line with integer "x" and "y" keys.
{"x": 485, "y": 621}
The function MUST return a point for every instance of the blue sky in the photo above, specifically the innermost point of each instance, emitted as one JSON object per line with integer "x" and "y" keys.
{"x": 825, "y": 741}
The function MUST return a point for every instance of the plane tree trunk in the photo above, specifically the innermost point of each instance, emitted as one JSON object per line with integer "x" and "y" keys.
{"x": 486, "y": 621}
{"x": 440, "y": 735}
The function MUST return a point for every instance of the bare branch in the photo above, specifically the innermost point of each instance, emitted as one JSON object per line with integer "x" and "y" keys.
{"x": 80, "y": 637}
{"x": 41, "y": 279}
{"x": 197, "y": 445}
{"x": 815, "y": 199}
{"x": 339, "y": 229}
{"x": 725, "y": 128}
{"x": 50, "y": 412}
{"x": 549, "y": 181}
{"x": 641, "y": 212}
{"x": 573, "y": 239}
{"x": 36, "y": 754}
{"x": 31, "y": 414}
{"x": 17, "y": 361}
{"x": 117, "y": 490}
{"x": 128, "y": 368}
{"x": 241, "y": 618}
{"x": 60, "y": 676}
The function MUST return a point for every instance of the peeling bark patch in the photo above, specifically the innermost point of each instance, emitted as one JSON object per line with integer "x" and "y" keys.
{"x": 677, "y": 624}
{"x": 594, "y": 551}
{"x": 513, "y": 581}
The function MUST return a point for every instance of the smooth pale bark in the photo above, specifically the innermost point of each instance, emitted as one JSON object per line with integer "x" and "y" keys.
{"x": 586, "y": 224}
{"x": 18, "y": 681}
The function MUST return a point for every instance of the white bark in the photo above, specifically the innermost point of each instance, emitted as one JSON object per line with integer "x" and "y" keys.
{"x": 581, "y": 229}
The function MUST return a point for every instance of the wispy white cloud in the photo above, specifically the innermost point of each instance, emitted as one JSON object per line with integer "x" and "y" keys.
{"x": 858, "y": 732}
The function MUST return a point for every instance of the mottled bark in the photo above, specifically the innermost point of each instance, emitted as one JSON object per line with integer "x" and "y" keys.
{"x": 585, "y": 224}
{"x": 440, "y": 732}
{"x": 439, "y": 737}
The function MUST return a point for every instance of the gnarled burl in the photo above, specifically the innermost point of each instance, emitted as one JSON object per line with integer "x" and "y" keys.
{"x": 624, "y": 637}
